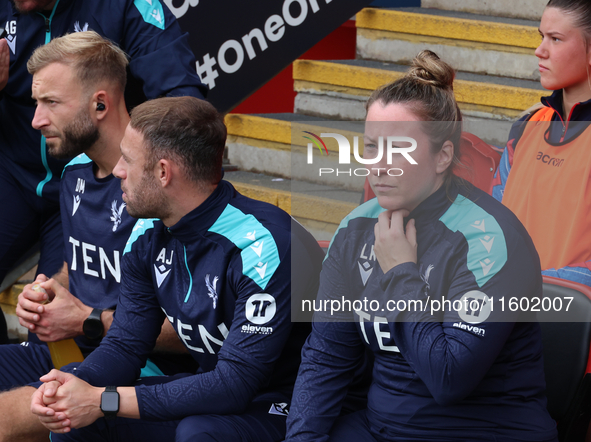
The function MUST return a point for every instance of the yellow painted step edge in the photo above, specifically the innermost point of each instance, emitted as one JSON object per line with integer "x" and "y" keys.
{"x": 299, "y": 205}
{"x": 259, "y": 127}
{"x": 10, "y": 295}
{"x": 279, "y": 131}
{"x": 449, "y": 27}
{"x": 473, "y": 92}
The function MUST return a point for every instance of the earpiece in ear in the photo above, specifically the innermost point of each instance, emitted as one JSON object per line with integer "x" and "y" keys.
{"x": 100, "y": 107}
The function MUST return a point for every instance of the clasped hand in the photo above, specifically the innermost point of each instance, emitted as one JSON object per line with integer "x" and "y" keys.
{"x": 61, "y": 319}
{"x": 64, "y": 402}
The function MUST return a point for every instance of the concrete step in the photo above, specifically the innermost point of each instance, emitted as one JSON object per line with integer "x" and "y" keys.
{"x": 275, "y": 144}
{"x": 331, "y": 95}
{"x": 525, "y": 9}
{"x": 468, "y": 42}
{"x": 338, "y": 90}
{"x": 318, "y": 207}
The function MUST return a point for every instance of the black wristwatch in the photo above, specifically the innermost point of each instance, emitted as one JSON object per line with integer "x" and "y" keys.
{"x": 93, "y": 326}
{"x": 110, "y": 402}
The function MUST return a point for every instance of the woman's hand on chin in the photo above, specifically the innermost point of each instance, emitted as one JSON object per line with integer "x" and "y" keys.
{"x": 394, "y": 245}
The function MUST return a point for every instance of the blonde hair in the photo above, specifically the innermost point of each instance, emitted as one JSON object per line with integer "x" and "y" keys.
{"x": 93, "y": 58}
{"x": 427, "y": 89}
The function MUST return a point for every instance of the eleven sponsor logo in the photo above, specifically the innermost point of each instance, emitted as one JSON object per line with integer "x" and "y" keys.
{"x": 478, "y": 331}
{"x": 256, "y": 329}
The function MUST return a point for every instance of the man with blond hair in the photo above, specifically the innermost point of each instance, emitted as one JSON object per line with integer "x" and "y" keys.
{"x": 161, "y": 64}
{"x": 78, "y": 84}
{"x": 216, "y": 265}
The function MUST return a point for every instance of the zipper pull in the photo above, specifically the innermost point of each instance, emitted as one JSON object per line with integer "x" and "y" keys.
{"x": 47, "y": 23}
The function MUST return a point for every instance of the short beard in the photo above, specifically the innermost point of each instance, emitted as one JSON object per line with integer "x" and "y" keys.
{"x": 149, "y": 201}
{"x": 78, "y": 136}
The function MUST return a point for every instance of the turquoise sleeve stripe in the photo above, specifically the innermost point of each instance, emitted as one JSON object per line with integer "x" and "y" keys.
{"x": 151, "y": 11}
{"x": 260, "y": 257}
{"x": 141, "y": 226}
{"x": 80, "y": 159}
{"x": 190, "y": 276}
{"x": 369, "y": 209}
{"x": 487, "y": 247}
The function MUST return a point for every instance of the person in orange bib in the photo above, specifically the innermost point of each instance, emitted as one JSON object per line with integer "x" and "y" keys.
{"x": 544, "y": 175}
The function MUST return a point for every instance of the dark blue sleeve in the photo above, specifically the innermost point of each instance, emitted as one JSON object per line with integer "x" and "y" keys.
{"x": 450, "y": 354}
{"x": 245, "y": 361}
{"x": 137, "y": 322}
{"x": 330, "y": 358}
{"x": 161, "y": 58}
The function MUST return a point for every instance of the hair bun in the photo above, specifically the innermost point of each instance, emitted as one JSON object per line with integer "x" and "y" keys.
{"x": 428, "y": 68}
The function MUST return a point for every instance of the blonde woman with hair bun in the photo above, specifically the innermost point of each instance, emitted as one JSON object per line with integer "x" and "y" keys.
{"x": 461, "y": 371}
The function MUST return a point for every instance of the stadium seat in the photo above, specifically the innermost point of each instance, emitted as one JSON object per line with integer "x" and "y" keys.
{"x": 567, "y": 362}
{"x": 479, "y": 159}
{"x": 324, "y": 245}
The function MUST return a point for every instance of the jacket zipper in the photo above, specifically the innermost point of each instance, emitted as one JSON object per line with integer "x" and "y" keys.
{"x": 49, "y": 174}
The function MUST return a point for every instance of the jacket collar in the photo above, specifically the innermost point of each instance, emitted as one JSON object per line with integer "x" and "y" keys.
{"x": 580, "y": 111}
{"x": 200, "y": 219}
{"x": 563, "y": 132}
{"x": 435, "y": 205}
